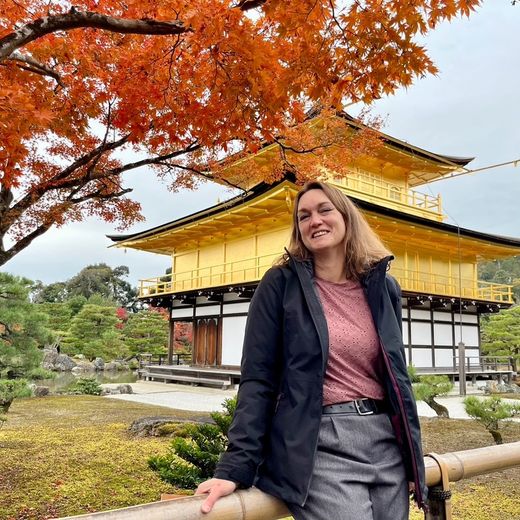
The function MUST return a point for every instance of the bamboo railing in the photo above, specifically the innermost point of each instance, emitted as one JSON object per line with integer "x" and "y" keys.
{"x": 252, "y": 504}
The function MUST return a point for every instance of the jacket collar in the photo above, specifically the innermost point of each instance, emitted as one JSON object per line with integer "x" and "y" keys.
{"x": 374, "y": 274}
{"x": 377, "y": 271}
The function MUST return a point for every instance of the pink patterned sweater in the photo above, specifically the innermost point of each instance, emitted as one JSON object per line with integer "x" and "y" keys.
{"x": 355, "y": 361}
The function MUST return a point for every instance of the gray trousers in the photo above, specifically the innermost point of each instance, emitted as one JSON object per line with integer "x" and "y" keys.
{"x": 358, "y": 472}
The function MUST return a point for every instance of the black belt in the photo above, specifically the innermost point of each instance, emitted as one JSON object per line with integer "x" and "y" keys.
{"x": 363, "y": 406}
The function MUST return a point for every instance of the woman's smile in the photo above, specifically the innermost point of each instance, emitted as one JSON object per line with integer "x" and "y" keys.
{"x": 321, "y": 225}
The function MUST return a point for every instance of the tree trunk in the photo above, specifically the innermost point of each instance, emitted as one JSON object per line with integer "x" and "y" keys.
{"x": 440, "y": 410}
{"x": 5, "y": 405}
{"x": 497, "y": 436}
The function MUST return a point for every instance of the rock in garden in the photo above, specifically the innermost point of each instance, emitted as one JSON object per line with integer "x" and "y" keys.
{"x": 50, "y": 355}
{"x": 493, "y": 387}
{"x": 64, "y": 363}
{"x": 157, "y": 426}
{"x": 147, "y": 426}
{"x": 41, "y": 391}
{"x": 125, "y": 389}
{"x": 506, "y": 388}
{"x": 84, "y": 365}
{"x": 108, "y": 390}
{"x": 98, "y": 363}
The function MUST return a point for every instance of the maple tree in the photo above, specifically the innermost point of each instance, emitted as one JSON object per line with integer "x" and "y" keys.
{"x": 174, "y": 84}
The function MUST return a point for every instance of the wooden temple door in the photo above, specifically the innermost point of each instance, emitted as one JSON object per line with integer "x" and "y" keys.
{"x": 206, "y": 342}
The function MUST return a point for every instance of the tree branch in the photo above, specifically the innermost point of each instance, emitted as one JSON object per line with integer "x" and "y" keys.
{"x": 303, "y": 150}
{"x": 58, "y": 182}
{"x": 80, "y": 19}
{"x": 99, "y": 195}
{"x": 250, "y": 4}
{"x": 35, "y": 66}
{"x": 23, "y": 243}
{"x": 205, "y": 175}
{"x": 77, "y": 19}
{"x": 153, "y": 160}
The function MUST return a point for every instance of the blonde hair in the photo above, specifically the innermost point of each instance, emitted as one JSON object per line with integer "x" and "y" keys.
{"x": 363, "y": 247}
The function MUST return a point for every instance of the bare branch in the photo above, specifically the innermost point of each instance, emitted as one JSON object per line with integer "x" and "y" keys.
{"x": 77, "y": 19}
{"x": 206, "y": 175}
{"x": 23, "y": 243}
{"x": 99, "y": 195}
{"x": 284, "y": 147}
{"x": 85, "y": 159}
{"x": 154, "y": 160}
{"x": 102, "y": 147}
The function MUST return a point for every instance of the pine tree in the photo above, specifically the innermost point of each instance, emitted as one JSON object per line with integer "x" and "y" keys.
{"x": 501, "y": 335}
{"x": 429, "y": 388}
{"x": 146, "y": 332}
{"x": 93, "y": 333}
{"x": 493, "y": 413}
{"x": 195, "y": 451}
{"x": 22, "y": 328}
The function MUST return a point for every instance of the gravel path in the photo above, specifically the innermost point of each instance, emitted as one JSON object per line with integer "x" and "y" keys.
{"x": 203, "y": 399}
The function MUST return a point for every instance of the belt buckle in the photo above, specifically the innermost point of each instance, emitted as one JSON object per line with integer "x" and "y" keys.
{"x": 358, "y": 410}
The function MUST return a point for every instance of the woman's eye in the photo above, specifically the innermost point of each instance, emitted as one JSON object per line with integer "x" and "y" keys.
{"x": 325, "y": 210}
{"x": 301, "y": 218}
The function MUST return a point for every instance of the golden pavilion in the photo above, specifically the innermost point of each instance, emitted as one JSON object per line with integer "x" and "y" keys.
{"x": 218, "y": 255}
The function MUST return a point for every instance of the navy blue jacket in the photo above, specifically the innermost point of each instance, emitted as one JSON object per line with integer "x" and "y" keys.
{"x": 274, "y": 434}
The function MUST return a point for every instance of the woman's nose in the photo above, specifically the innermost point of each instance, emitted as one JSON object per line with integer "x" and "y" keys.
{"x": 315, "y": 219}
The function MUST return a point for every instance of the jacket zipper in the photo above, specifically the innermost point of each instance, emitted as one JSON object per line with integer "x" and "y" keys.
{"x": 418, "y": 490}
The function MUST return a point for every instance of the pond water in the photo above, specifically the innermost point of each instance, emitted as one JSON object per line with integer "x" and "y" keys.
{"x": 64, "y": 379}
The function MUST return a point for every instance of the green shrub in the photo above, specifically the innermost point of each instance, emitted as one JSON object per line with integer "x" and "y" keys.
{"x": 40, "y": 373}
{"x": 194, "y": 452}
{"x": 430, "y": 387}
{"x": 412, "y": 374}
{"x": 493, "y": 413}
{"x": 87, "y": 386}
{"x": 10, "y": 389}
{"x": 133, "y": 364}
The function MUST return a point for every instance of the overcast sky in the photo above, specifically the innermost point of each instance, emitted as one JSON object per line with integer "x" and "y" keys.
{"x": 470, "y": 109}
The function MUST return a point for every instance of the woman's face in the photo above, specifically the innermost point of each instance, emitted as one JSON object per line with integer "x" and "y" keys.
{"x": 321, "y": 225}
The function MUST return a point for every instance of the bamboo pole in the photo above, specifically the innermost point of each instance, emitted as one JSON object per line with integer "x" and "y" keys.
{"x": 253, "y": 504}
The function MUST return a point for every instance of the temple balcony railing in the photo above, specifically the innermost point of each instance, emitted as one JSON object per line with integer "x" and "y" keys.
{"x": 452, "y": 286}
{"x": 229, "y": 273}
{"x": 365, "y": 186}
{"x": 252, "y": 269}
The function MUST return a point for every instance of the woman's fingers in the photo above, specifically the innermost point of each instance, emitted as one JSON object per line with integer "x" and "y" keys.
{"x": 215, "y": 488}
{"x": 204, "y": 487}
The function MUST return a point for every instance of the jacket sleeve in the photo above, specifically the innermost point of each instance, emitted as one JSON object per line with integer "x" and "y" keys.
{"x": 259, "y": 382}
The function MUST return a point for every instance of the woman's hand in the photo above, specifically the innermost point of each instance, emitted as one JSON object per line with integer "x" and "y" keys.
{"x": 215, "y": 488}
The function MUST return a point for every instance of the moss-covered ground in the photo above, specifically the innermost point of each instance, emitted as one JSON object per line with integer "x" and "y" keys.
{"x": 68, "y": 455}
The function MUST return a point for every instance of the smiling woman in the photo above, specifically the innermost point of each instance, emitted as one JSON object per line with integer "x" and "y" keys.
{"x": 333, "y": 232}
{"x": 325, "y": 418}
{"x": 320, "y": 224}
